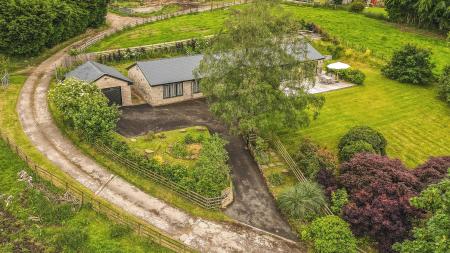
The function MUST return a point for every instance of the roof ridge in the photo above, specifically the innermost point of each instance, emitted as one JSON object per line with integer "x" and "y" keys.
{"x": 94, "y": 64}
{"x": 170, "y": 58}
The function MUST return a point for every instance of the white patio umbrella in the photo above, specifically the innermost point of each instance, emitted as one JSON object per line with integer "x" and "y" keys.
{"x": 338, "y": 66}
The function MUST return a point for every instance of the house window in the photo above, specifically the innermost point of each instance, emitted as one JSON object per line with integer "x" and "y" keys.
{"x": 173, "y": 90}
{"x": 196, "y": 86}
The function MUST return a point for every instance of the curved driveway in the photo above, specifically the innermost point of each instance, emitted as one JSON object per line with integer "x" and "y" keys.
{"x": 204, "y": 235}
{"x": 253, "y": 204}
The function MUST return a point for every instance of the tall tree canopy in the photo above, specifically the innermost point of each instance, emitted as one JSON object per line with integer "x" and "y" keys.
{"x": 252, "y": 59}
{"x": 426, "y": 13}
{"x": 29, "y": 26}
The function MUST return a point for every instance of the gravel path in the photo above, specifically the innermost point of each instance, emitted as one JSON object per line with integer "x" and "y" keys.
{"x": 204, "y": 235}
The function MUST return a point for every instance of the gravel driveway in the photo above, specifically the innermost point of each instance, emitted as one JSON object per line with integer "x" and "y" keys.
{"x": 253, "y": 203}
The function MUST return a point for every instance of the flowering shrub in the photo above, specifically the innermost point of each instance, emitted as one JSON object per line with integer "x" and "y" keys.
{"x": 84, "y": 108}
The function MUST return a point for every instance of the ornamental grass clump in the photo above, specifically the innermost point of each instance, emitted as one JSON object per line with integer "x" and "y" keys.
{"x": 303, "y": 201}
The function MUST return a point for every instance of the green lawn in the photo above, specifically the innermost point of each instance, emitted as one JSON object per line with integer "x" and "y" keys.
{"x": 376, "y": 10}
{"x": 57, "y": 220}
{"x": 414, "y": 122}
{"x": 178, "y": 28}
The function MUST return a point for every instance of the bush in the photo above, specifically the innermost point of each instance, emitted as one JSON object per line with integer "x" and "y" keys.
{"x": 367, "y": 134}
{"x": 189, "y": 139}
{"x": 330, "y": 234}
{"x": 432, "y": 171}
{"x": 302, "y": 201}
{"x": 311, "y": 158}
{"x": 444, "y": 85}
{"x": 432, "y": 234}
{"x": 211, "y": 171}
{"x": 355, "y": 76}
{"x": 339, "y": 199}
{"x": 179, "y": 150}
{"x": 379, "y": 189}
{"x": 84, "y": 108}
{"x": 357, "y": 6}
{"x": 410, "y": 65}
{"x": 276, "y": 179}
{"x": 261, "y": 148}
{"x": 353, "y": 148}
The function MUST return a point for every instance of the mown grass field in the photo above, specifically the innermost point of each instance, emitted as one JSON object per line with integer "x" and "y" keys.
{"x": 379, "y": 36}
{"x": 178, "y": 28}
{"x": 56, "y": 226}
{"x": 415, "y": 123}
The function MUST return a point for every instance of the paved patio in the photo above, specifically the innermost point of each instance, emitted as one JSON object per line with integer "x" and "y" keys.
{"x": 321, "y": 88}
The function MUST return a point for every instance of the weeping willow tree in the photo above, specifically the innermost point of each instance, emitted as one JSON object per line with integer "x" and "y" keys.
{"x": 253, "y": 61}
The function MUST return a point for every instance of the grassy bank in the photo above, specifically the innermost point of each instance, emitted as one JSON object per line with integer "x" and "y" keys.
{"x": 37, "y": 220}
{"x": 178, "y": 28}
{"x": 414, "y": 122}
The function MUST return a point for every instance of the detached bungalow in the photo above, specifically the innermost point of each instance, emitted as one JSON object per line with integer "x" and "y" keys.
{"x": 112, "y": 83}
{"x": 167, "y": 81}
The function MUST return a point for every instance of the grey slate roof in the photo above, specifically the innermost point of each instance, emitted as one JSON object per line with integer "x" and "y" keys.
{"x": 171, "y": 70}
{"x": 92, "y": 71}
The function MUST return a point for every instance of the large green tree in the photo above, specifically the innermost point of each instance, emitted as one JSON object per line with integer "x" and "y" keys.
{"x": 426, "y": 13}
{"x": 29, "y": 26}
{"x": 252, "y": 60}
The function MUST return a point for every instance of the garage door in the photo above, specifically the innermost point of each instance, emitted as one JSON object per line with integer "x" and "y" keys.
{"x": 114, "y": 95}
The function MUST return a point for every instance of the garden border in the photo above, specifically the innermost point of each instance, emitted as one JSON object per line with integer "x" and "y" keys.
{"x": 87, "y": 197}
{"x": 213, "y": 203}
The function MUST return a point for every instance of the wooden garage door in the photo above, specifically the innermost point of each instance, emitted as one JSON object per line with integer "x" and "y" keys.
{"x": 114, "y": 95}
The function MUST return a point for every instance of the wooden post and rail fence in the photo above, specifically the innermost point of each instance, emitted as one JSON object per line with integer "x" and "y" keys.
{"x": 213, "y": 203}
{"x": 85, "y": 196}
{"x": 292, "y": 165}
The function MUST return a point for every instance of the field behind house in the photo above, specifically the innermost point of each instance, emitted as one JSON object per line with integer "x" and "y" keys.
{"x": 381, "y": 37}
